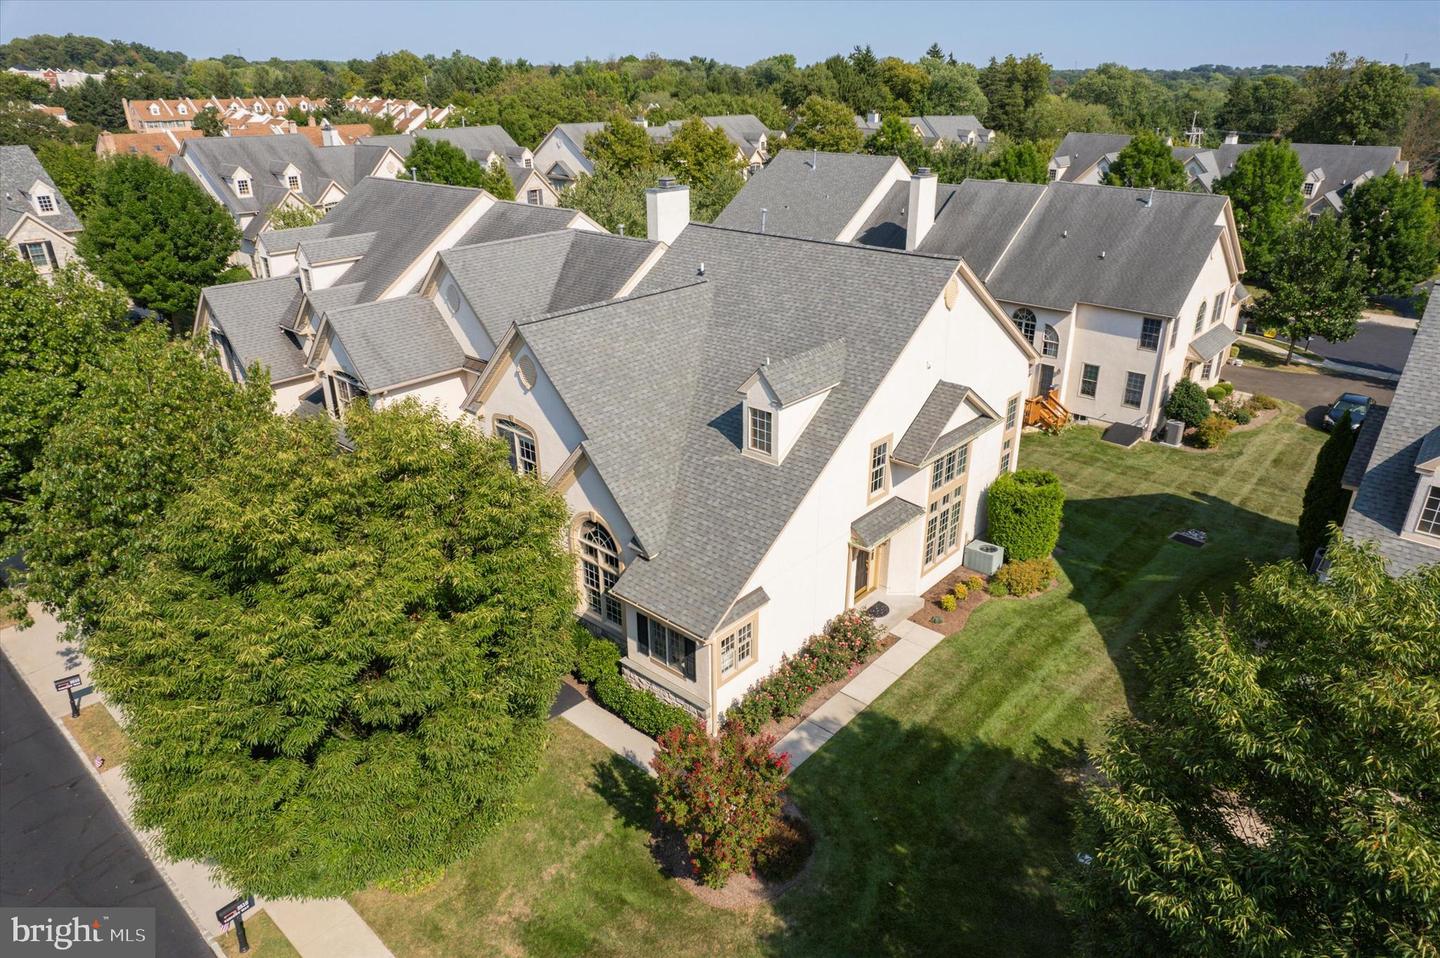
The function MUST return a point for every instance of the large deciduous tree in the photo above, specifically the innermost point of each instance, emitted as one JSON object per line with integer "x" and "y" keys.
{"x": 1394, "y": 222}
{"x": 208, "y": 122}
{"x": 823, "y": 124}
{"x": 615, "y": 200}
{"x": 437, "y": 161}
{"x": 1354, "y": 101}
{"x": 50, "y": 335}
{"x": 338, "y": 666}
{"x": 1276, "y": 793}
{"x": 1136, "y": 102}
{"x": 154, "y": 416}
{"x": 1317, "y": 284}
{"x": 75, "y": 171}
{"x": 1264, "y": 191}
{"x": 156, "y": 234}
{"x": 1012, "y": 88}
{"x": 622, "y": 145}
{"x": 897, "y": 138}
{"x": 1019, "y": 163}
{"x": 1146, "y": 161}
{"x": 705, "y": 160}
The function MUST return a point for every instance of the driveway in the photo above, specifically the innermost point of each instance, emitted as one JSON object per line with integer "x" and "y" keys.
{"x": 61, "y": 842}
{"x": 1313, "y": 392}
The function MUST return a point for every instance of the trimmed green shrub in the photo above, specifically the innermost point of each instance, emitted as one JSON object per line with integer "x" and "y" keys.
{"x": 1187, "y": 403}
{"x": 998, "y": 588}
{"x": 1325, "y": 500}
{"x": 960, "y": 592}
{"x": 947, "y": 602}
{"x": 976, "y": 583}
{"x": 1027, "y": 576}
{"x": 1024, "y": 509}
{"x": 1262, "y": 401}
{"x": 1212, "y": 432}
{"x": 1216, "y": 392}
{"x": 597, "y": 663}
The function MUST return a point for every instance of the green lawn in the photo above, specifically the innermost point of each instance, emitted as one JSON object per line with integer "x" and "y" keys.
{"x": 941, "y": 811}
{"x": 265, "y": 938}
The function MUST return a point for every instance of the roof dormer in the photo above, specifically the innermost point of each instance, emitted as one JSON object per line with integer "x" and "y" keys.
{"x": 241, "y": 182}
{"x": 154, "y": 109}
{"x": 289, "y": 177}
{"x": 1312, "y": 181}
{"x": 782, "y": 396}
{"x": 42, "y": 198}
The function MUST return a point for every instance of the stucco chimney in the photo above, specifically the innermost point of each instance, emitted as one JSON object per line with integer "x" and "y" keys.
{"x": 1231, "y": 138}
{"x": 667, "y": 210}
{"x": 920, "y": 209}
{"x": 329, "y": 136}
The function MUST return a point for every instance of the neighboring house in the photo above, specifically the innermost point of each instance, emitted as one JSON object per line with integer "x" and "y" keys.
{"x": 1394, "y": 469}
{"x": 1331, "y": 170}
{"x": 168, "y": 114}
{"x": 814, "y": 195}
{"x": 378, "y": 245}
{"x": 339, "y": 134}
{"x": 490, "y": 146}
{"x": 561, "y": 156}
{"x": 407, "y": 115}
{"x": 766, "y": 432}
{"x": 59, "y": 79}
{"x": 159, "y": 146}
{"x": 34, "y": 217}
{"x": 1123, "y": 292}
{"x": 57, "y": 113}
{"x": 253, "y": 176}
{"x": 936, "y": 132}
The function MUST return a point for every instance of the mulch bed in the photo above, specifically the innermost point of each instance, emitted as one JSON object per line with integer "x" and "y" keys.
{"x": 950, "y": 622}
{"x": 779, "y": 727}
{"x": 743, "y": 891}
{"x": 1259, "y": 419}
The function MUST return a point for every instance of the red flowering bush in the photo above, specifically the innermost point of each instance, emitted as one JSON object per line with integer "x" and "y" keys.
{"x": 722, "y": 794}
{"x": 849, "y": 639}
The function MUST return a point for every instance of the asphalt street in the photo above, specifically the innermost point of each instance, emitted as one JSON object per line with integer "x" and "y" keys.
{"x": 62, "y": 843}
{"x": 1375, "y": 346}
{"x": 1313, "y": 392}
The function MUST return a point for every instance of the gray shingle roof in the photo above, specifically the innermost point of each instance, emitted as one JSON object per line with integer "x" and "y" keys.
{"x": 805, "y": 194}
{"x": 793, "y": 378}
{"x": 287, "y": 241}
{"x": 507, "y": 220}
{"x": 953, "y": 127}
{"x": 1378, "y": 511}
{"x": 19, "y": 169}
{"x": 1364, "y": 446}
{"x": 1043, "y": 245}
{"x": 1213, "y": 341}
{"x": 670, "y": 452}
{"x": 333, "y": 248}
{"x": 882, "y": 522}
{"x": 925, "y": 438}
{"x": 1086, "y": 149}
{"x": 395, "y": 341}
{"x": 477, "y": 141}
{"x": 513, "y": 280}
{"x": 248, "y": 314}
{"x": 332, "y": 297}
{"x": 744, "y": 605}
{"x": 744, "y": 129}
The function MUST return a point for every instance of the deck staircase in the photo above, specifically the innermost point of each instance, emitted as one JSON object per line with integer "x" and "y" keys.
{"x": 1046, "y": 411}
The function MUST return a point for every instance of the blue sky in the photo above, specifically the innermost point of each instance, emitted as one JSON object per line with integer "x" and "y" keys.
{"x": 1069, "y": 34}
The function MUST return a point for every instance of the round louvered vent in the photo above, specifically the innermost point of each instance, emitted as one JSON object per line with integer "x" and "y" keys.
{"x": 526, "y": 368}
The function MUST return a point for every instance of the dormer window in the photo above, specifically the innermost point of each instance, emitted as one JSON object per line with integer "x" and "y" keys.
{"x": 1429, "y": 521}
{"x": 183, "y": 109}
{"x": 154, "y": 109}
{"x": 528, "y": 162}
{"x": 242, "y": 187}
{"x": 761, "y": 431}
{"x": 1308, "y": 189}
{"x": 292, "y": 181}
{"x": 45, "y": 203}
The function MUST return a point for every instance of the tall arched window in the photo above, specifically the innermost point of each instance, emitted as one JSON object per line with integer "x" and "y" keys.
{"x": 1052, "y": 342}
{"x": 1025, "y": 322}
{"x": 599, "y": 568}
{"x": 523, "y": 456}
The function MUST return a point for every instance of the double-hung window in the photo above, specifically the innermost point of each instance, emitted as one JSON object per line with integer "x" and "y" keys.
{"x": 762, "y": 433}
{"x": 1429, "y": 521}
{"x": 1150, "y": 334}
{"x": 1218, "y": 308}
{"x": 944, "y": 517}
{"x": 1200, "y": 316}
{"x": 737, "y": 650}
{"x": 1089, "y": 380}
{"x": 524, "y": 458}
{"x": 41, "y": 255}
{"x": 664, "y": 646}
{"x": 534, "y": 198}
{"x": 1051, "y": 346}
{"x": 879, "y": 468}
{"x": 1134, "y": 389}
{"x": 1012, "y": 412}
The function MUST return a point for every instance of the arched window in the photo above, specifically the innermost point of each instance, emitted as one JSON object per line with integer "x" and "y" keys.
{"x": 523, "y": 456}
{"x": 1052, "y": 341}
{"x": 599, "y": 568}
{"x": 1025, "y": 322}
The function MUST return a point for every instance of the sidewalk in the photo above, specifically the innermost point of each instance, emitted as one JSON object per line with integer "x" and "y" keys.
{"x": 805, "y": 739}
{"x": 604, "y": 727}
{"x": 317, "y": 928}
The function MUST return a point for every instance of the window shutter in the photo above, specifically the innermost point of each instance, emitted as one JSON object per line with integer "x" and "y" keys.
{"x": 50, "y": 254}
{"x": 689, "y": 660}
{"x": 642, "y": 634}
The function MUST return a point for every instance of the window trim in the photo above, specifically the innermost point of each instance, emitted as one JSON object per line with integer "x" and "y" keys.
{"x": 646, "y": 648}
{"x": 740, "y": 664}
{"x": 46, "y": 250}
{"x": 945, "y": 510}
{"x": 1125, "y": 393}
{"x": 517, "y": 427}
{"x": 41, "y": 199}
{"x": 1022, "y": 318}
{"x": 242, "y": 188}
{"x": 1050, "y": 342}
{"x": 1433, "y": 493}
{"x": 752, "y": 412}
{"x": 1200, "y": 315}
{"x": 1094, "y": 381}
{"x": 871, "y": 493}
{"x": 1154, "y": 338}
{"x": 581, "y": 525}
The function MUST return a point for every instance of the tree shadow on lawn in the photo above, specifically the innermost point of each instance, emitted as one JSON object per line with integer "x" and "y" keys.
{"x": 1129, "y": 575}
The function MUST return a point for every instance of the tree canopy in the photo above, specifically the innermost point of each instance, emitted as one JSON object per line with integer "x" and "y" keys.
{"x": 1264, "y": 191}
{"x": 208, "y": 121}
{"x": 155, "y": 414}
{"x": 1146, "y": 161}
{"x": 437, "y": 161}
{"x": 156, "y": 234}
{"x": 1317, "y": 284}
{"x": 1397, "y": 231}
{"x": 823, "y": 124}
{"x": 1275, "y": 796}
{"x": 338, "y": 666}
{"x": 622, "y": 145}
{"x": 706, "y": 161}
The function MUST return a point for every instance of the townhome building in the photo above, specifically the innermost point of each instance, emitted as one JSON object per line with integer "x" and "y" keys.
{"x": 35, "y": 218}
{"x": 1123, "y": 292}
{"x": 407, "y": 115}
{"x": 349, "y": 303}
{"x": 254, "y": 176}
{"x": 490, "y": 146}
{"x": 57, "y": 79}
{"x": 158, "y": 145}
{"x": 1331, "y": 170}
{"x": 561, "y": 158}
{"x": 1394, "y": 469}
{"x": 936, "y": 132}
{"x": 814, "y": 428}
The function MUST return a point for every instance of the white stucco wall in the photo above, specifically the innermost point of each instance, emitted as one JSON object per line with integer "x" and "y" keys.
{"x": 33, "y": 230}
{"x": 557, "y": 147}
{"x": 446, "y": 393}
{"x": 287, "y": 395}
{"x": 464, "y": 324}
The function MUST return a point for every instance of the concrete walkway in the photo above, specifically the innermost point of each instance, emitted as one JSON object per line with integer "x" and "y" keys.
{"x": 604, "y": 727}
{"x": 806, "y": 738}
{"x": 319, "y": 928}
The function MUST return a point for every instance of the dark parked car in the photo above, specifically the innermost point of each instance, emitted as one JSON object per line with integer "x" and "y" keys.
{"x": 1353, "y": 403}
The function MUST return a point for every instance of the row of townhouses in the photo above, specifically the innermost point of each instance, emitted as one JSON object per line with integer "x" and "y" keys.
{"x": 1331, "y": 170}
{"x": 143, "y": 116}
{"x": 561, "y": 156}
{"x": 936, "y": 132}
{"x": 161, "y": 145}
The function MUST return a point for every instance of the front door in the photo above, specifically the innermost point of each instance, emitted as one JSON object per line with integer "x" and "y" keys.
{"x": 1047, "y": 379}
{"x": 864, "y": 573}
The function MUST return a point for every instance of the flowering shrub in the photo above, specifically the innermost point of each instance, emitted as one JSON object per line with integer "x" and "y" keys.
{"x": 947, "y": 602}
{"x": 848, "y": 640}
{"x": 961, "y": 592}
{"x": 1026, "y": 576}
{"x": 1212, "y": 432}
{"x": 722, "y": 794}
{"x": 976, "y": 583}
